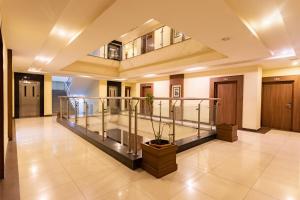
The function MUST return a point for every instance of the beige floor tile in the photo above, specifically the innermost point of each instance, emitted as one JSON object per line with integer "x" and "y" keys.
{"x": 238, "y": 174}
{"x": 254, "y": 195}
{"x": 218, "y": 188}
{"x": 277, "y": 189}
{"x": 191, "y": 194}
{"x": 159, "y": 188}
{"x": 33, "y": 185}
{"x": 55, "y": 164}
{"x": 126, "y": 193}
{"x": 66, "y": 191}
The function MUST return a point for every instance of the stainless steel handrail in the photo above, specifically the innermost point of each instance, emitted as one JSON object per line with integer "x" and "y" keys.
{"x": 133, "y": 109}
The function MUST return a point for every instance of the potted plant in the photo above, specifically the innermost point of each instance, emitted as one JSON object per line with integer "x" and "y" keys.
{"x": 159, "y": 155}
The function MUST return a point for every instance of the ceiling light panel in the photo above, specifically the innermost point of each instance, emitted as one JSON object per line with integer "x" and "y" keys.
{"x": 149, "y": 75}
{"x": 193, "y": 69}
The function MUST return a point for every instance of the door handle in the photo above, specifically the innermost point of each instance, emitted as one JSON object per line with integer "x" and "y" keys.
{"x": 289, "y": 105}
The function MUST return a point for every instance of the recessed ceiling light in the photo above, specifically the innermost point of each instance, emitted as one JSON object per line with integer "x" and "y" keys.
{"x": 34, "y": 70}
{"x": 272, "y": 19}
{"x": 295, "y": 63}
{"x": 149, "y": 75}
{"x": 123, "y": 35}
{"x": 284, "y": 53}
{"x": 150, "y": 20}
{"x": 192, "y": 69}
{"x": 43, "y": 59}
{"x": 63, "y": 33}
{"x": 120, "y": 79}
{"x": 85, "y": 76}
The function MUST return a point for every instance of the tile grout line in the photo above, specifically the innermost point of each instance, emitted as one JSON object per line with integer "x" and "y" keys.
{"x": 251, "y": 188}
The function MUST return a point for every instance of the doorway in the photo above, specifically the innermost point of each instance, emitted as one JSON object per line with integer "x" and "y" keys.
{"x": 146, "y": 89}
{"x": 230, "y": 107}
{"x": 29, "y": 98}
{"x": 148, "y": 43}
{"x": 277, "y": 105}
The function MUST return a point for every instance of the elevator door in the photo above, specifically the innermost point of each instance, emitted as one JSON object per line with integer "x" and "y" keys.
{"x": 29, "y": 98}
{"x": 113, "y": 103}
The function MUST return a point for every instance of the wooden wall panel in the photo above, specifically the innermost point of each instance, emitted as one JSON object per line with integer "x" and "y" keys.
{"x": 9, "y": 95}
{"x": 177, "y": 79}
{"x": 1, "y": 111}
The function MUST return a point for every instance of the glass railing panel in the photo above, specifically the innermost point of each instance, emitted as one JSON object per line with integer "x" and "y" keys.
{"x": 112, "y": 116}
{"x": 159, "y": 38}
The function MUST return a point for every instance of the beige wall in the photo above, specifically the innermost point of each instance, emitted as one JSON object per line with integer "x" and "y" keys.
{"x": 197, "y": 85}
{"x": 161, "y": 89}
{"x": 282, "y": 72}
{"x": 252, "y": 99}
{"x": 102, "y": 88}
{"x": 47, "y": 95}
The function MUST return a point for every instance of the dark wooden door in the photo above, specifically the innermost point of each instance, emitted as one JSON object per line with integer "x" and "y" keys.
{"x": 277, "y": 105}
{"x": 227, "y": 108}
{"x": 146, "y": 90}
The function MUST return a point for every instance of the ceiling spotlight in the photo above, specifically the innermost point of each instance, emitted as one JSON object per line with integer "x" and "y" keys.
{"x": 43, "y": 59}
{"x": 225, "y": 39}
{"x": 149, "y": 75}
{"x": 195, "y": 69}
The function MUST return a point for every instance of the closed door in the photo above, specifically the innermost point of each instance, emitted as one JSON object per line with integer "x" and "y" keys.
{"x": 227, "y": 108}
{"x": 113, "y": 92}
{"x": 146, "y": 90}
{"x": 29, "y": 98}
{"x": 277, "y": 105}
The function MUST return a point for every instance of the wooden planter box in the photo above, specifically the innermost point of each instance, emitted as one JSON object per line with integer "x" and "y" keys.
{"x": 227, "y": 132}
{"x": 159, "y": 161}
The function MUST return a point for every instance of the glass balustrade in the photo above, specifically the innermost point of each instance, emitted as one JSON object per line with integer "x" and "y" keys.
{"x": 157, "y": 39}
{"x": 141, "y": 120}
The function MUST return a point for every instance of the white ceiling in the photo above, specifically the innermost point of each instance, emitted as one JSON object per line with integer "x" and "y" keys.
{"x": 52, "y": 34}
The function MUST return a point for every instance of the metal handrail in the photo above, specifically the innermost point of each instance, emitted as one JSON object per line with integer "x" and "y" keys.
{"x": 141, "y": 98}
{"x": 133, "y": 110}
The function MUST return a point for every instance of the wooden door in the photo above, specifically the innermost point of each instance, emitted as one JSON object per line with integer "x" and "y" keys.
{"x": 277, "y": 105}
{"x": 227, "y": 108}
{"x": 145, "y": 90}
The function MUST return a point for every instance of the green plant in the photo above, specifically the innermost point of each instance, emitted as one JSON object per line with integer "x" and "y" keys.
{"x": 157, "y": 134}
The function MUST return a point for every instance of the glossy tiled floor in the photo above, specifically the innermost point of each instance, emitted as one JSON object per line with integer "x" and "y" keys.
{"x": 56, "y": 164}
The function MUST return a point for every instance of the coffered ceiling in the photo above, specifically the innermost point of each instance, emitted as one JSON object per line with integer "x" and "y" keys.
{"x": 54, "y": 35}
